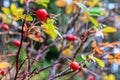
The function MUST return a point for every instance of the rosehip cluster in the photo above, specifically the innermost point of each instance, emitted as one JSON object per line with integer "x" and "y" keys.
{"x": 71, "y": 37}
{"x": 2, "y": 72}
{"x": 4, "y": 26}
{"x": 74, "y": 65}
{"x": 42, "y": 14}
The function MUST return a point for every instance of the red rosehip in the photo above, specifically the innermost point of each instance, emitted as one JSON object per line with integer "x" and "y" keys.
{"x": 16, "y": 43}
{"x": 74, "y": 65}
{"x": 90, "y": 77}
{"x": 38, "y": 35}
{"x": 3, "y": 72}
{"x": 4, "y": 26}
{"x": 42, "y": 14}
{"x": 71, "y": 37}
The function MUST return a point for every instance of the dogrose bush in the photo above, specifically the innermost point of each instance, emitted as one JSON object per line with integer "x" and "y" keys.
{"x": 59, "y": 39}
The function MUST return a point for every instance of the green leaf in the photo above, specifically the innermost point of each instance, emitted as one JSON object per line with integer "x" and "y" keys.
{"x": 5, "y": 10}
{"x": 87, "y": 63}
{"x": 52, "y": 32}
{"x": 109, "y": 29}
{"x": 58, "y": 34}
{"x": 50, "y": 28}
{"x": 94, "y": 22}
{"x": 79, "y": 59}
{"x": 83, "y": 57}
{"x": 94, "y": 11}
{"x": 22, "y": 56}
{"x": 82, "y": 6}
{"x": 44, "y": 3}
{"x": 100, "y": 62}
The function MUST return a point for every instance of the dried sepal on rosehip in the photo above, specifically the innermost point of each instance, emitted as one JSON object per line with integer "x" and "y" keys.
{"x": 74, "y": 65}
{"x": 42, "y": 14}
{"x": 71, "y": 37}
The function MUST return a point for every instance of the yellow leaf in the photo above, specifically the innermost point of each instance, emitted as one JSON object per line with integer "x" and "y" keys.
{"x": 111, "y": 77}
{"x": 94, "y": 21}
{"x": 100, "y": 62}
{"x": 17, "y": 18}
{"x": 60, "y": 3}
{"x": 104, "y": 76}
{"x": 5, "y": 10}
{"x": 109, "y": 29}
{"x": 13, "y": 8}
{"x": 28, "y": 17}
{"x": 4, "y": 65}
{"x": 21, "y": 1}
{"x": 69, "y": 9}
{"x": 66, "y": 52}
{"x": 5, "y": 19}
{"x": 92, "y": 3}
{"x": 20, "y": 11}
{"x": 75, "y": 9}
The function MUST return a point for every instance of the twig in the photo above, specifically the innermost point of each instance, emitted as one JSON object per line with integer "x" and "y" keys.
{"x": 17, "y": 57}
{"x": 83, "y": 40}
{"x": 74, "y": 74}
{"x": 60, "y": 75}
{"x": 37, "y": 72}
{"x": 8, "y": 55}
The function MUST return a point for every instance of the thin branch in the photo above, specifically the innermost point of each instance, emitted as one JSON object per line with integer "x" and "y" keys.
{"x": 60, "y": 75}
{"x": 74, "y": 74}
{"x": 83, "y": 40}
{"x": 8, "y": 55}
{"x": 17, "y": 57}
{"x": 35, "y": 71}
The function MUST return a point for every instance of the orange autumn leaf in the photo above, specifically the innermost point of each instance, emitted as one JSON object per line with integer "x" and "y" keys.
{"x": 115, "y": 43}
{"x": 60, "y": 3}
{"x": 69, "y": 9}
{"x": 117, "y": 58}
{"x": 94, "y": 44}
{"x": 96, "y": 48}
{"x": 117, "y": 18}
{"x": 75, "y": 9}
{"x": 114, "y": 58}
{"x": 106, "y": 44}
{"x": 110, "y": 58}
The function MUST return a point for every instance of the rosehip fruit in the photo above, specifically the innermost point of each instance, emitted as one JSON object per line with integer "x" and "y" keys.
{"x": 74, "y": 65}
{"x": 16, "y": 43}
{"x": 90, "y": 77}
{"x": 3, "y": 72}
{"x": 71, "y": 37}
{"x": 39, "y": 37}
{"x": 4, "y": 26}
{"x": 42, "y": 14}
